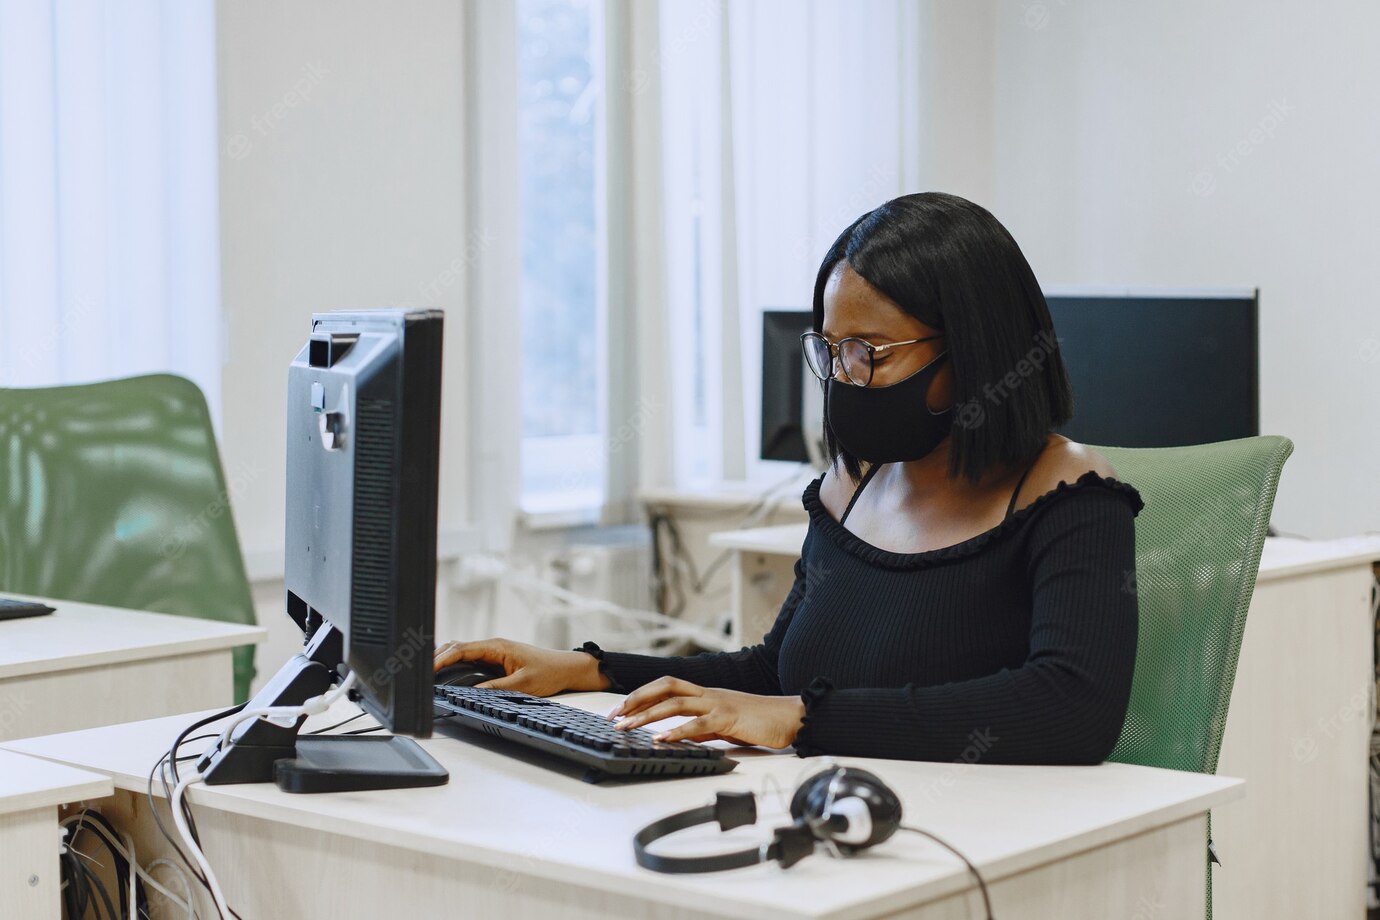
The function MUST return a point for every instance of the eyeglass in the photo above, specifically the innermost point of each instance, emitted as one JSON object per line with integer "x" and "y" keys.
{"x": 855, "y": 355}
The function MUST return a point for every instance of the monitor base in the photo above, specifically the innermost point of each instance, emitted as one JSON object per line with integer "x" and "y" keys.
{"x": 261, "y": 752}
{"x": 350, "y": 763}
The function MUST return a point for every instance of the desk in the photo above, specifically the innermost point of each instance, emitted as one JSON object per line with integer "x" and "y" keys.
{"x": 89, "y": 665}
{"x": 30, "y": 792}
{"x": 509, "y": 837}
{"x": 1298, "y": 730}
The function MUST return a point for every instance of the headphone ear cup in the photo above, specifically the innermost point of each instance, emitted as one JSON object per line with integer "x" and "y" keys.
{"x": 810, "y": 796}
{"x": 883, "y": 805}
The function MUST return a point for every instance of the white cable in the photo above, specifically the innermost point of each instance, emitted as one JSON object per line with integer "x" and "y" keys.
{"x": 144, "y": 872}
{"x": 186, "y": 902}
{"x": 287, "y": 716}
{"x": 582, "y": 605}
{"x": 180, "y": 820}
{"x": 133, "y": 875}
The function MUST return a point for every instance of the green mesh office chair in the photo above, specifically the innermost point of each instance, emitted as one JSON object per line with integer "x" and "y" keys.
{"x": 112, "y": 493}
{"x": 1198, "y": 543}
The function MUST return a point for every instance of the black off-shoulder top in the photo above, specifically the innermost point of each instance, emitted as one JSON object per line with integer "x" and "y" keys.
{"x": 1015, "y": 646}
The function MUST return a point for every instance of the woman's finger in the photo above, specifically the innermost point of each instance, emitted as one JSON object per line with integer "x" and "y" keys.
{"x": 451, "y": 652}
{"x": 695, "y": 730}
{"x": 512, "y": 681}
{"x": 657, "y": 690}
{"x": 676, "y": 706}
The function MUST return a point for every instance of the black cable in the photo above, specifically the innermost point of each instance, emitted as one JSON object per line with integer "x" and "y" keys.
{"x": 74, "y": 890}
{"x": 94, "y": 881}
{"x": 331, "y": 728}
{"x": 170, "y": 760}
{"x": 982, "y": 885}
{"x": 666, "y": 575}
{"x": 162, "y": 828}
{"x": 198, "y": 755}
{"x": 100, "y": 826}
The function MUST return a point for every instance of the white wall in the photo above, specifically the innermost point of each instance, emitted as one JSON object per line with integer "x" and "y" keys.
{"x": 1229, "y": 143}
{"x": 342, "y": 185}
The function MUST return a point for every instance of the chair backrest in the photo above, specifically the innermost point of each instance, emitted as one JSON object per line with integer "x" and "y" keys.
{"x": 1198, "y": 543}
{"x": 113, "y": 493}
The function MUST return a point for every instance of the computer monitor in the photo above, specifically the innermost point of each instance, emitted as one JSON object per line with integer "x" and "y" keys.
{"x": 363, "y": 444}
{"x": 792, "y": 398}
{"x": 1159, "y": 368}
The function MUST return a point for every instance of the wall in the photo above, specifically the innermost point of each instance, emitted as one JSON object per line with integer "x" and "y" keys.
{"x": 1224, "y": 144}
{"x": 342, "y": 185}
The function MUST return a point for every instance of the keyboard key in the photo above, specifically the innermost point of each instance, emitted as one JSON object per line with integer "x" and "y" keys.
{"x": 586, "y": 737}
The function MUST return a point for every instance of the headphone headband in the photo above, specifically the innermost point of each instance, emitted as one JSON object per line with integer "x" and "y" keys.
{"x": 826, "y": 807}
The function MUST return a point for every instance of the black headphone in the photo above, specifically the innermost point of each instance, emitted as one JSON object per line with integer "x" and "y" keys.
{"x": 844, "y": 807}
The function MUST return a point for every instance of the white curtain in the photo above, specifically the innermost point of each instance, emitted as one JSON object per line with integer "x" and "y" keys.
{"x": 638, "y": 402}
{"x": 109, "y": 262}
{"x": 784, "y": 120}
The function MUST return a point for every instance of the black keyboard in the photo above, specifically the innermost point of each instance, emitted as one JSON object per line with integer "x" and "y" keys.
{"x": 585, "y": 738}
{"x": 14, "y": 609}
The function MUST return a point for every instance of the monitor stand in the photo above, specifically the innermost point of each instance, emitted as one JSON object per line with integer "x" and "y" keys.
{"x": 260, "y": 751}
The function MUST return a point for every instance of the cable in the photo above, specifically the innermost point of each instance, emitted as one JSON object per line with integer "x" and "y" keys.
{"x": 100, "y": 826}
{"x": 93, "y": 880}
{"x": 180, "y": 876}
{"x": 168, "y": 762}
{"x": 285, "y": 716}
{"x": 196, "y": 738}
{"x": 673, "y": 561}
{"x": 972, "y": 869}
{"x": 122, "y": 860}
{"x": 133, "y": 875}
{"x": 331, "y": 728}
{"x": 180, "y": 819}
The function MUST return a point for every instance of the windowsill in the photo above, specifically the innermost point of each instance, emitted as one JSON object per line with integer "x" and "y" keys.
{"x": 266, "y": 565}
{"x": 558, "y": 518}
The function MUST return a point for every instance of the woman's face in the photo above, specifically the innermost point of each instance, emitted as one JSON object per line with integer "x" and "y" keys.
{"x": 852, "y": 307}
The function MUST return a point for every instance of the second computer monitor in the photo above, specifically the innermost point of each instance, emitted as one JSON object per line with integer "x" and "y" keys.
{"x": 1149, "y": 368}
{"x": 792, "y": 399}
{"x": 1159, "y": 368}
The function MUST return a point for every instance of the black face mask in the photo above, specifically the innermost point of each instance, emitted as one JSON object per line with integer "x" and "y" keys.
{"x": 887, "y": 424}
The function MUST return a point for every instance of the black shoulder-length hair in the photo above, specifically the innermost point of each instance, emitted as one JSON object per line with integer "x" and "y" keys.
{"x": 953, "y": 266}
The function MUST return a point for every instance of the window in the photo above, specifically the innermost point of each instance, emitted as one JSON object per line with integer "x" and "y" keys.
{"x": 562, "y": 361}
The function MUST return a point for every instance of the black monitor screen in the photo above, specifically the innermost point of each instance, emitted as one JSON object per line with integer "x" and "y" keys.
{"x": 1159, "y": 369}
{"x": 792, "y": 400}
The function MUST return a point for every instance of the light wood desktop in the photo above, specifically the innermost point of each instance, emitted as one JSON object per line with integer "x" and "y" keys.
{"x": 30, "y": 792}
{"x": 89, "y": 665}
{"x": 510, "y": 837}
{"x": 1298, "y": 730}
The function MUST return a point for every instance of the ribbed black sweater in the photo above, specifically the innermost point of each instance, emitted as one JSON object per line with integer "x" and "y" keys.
{"x": 1015, "y": 646}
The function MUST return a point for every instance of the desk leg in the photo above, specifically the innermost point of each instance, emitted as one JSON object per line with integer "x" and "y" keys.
{"x": 761, "y": 582}
{"x": 29, "y": 874}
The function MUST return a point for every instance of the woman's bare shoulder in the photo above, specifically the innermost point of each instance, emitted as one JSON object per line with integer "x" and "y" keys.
{"x": 835, "y": 489}
{"x": 1062, "y": 461}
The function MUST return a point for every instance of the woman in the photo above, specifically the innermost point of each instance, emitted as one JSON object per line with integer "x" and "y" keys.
{"x": 962, "y": 591}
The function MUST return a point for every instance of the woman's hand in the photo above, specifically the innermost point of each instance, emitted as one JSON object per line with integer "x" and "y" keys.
{"x": 534, "y": 670}
{"x": 741, "y": 718}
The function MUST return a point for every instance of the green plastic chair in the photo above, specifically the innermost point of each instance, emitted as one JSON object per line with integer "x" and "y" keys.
{"x": 1198, "y": 543}
{"x": 113, "y": 493}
